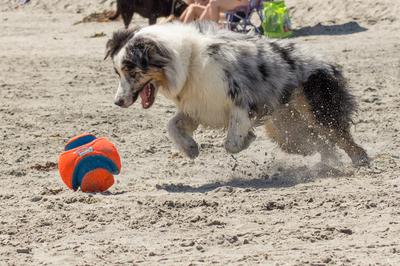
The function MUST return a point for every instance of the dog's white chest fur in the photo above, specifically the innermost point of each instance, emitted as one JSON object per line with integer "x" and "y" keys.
{"x": 204, "y": 98}
{"x": 208, "y": 111}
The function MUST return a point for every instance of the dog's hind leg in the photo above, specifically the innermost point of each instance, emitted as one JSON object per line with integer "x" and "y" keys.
{"x": 290, "y": 129}
{"x": 180, "y": 129}
{"x": 240, "y": 133}
{"x": 343, "y": 139}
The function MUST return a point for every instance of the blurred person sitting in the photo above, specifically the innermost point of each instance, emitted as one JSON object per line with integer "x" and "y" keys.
{"x": 194, "y": 10}
{"x": 198, "y": 2}
{"x": 215, "y": 7}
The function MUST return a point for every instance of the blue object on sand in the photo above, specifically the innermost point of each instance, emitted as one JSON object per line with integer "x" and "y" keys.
{"x": 23, "y": 2}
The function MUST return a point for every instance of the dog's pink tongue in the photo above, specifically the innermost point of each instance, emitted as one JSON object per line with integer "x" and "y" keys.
{"x": 145, "y": 95}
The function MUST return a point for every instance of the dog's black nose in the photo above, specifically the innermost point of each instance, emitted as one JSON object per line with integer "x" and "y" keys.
{"x": 119, "y": 102}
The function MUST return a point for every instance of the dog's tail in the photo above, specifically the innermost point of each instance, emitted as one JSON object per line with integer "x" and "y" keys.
{"x": 329, "y": 98}
{"x": 116, "y": 14}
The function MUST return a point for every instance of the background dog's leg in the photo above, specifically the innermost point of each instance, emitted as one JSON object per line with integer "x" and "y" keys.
{"x": 240, "y": 134}
{"x": 153, "y": 19}
{"x": 180, "y": 129}
{"x": 127, "y": 9}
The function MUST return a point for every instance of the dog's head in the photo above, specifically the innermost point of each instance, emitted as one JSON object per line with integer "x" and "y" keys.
{"x": 143, "y": 65}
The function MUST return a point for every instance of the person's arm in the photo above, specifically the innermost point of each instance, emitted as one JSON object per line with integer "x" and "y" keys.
{"x": 202, "y": 2}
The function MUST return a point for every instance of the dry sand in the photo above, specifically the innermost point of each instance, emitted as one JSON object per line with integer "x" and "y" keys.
{"x": 259, "y": 207}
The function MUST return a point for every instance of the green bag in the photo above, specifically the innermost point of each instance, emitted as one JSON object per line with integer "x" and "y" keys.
{"x": 276, "y": 23}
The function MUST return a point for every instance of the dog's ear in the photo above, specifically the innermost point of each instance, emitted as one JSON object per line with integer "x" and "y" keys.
{"x": 148, "y": 53}
{"x": 118, "y": 40}
{"x": 158, "y": 55}
{"x": 140, "y": 56}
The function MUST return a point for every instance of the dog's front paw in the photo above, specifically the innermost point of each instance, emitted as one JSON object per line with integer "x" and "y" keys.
{"x": 189, "y": 147}
{"x": 235, "y": 145}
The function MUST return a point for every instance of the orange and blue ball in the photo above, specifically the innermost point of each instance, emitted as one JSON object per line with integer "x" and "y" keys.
{"x": 89, "y": 163}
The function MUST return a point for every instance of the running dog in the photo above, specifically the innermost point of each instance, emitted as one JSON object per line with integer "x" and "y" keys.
{"x": 151, "y": 9}
{"x": 221, "y": 79}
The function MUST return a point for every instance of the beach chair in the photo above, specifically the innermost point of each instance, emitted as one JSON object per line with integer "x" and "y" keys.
{"x": 242, "y": 18}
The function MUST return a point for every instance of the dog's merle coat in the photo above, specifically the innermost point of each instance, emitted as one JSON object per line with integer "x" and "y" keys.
{"x": 223, "y": 79}
{"x": 262, "y": 74}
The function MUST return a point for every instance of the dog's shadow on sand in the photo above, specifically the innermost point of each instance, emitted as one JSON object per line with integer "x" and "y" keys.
{"x": 339, "y": 29}
{"x": 281, "y": 178}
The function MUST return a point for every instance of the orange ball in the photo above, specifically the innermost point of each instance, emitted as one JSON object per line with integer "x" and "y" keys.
{"x": 89, "y": 163}
{"x": 97, "y": 180}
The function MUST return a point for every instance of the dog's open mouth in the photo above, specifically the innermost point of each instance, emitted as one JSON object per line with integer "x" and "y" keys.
{"x": 147, "y": 94}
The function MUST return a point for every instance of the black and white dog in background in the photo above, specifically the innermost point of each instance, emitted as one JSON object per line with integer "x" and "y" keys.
{"x": 151, "y": 9}
{"x": 222, "y": 79}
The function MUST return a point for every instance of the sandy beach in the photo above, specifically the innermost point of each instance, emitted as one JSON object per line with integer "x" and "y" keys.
{"x": 261, "y": 206}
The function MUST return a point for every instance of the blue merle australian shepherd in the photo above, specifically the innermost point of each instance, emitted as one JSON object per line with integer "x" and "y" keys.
{"x": 221, "y": 79}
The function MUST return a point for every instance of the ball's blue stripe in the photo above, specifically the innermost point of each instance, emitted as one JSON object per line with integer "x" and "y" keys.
{"x": 79, "y": 142}
{"x": 89, "y": 163}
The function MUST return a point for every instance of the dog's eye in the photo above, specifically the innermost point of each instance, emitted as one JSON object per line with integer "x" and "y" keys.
{"x": 134, "y": 74}
{"x": 117, "y": 72}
